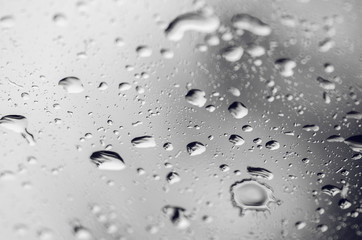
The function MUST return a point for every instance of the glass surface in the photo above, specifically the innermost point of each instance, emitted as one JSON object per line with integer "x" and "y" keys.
{"x": 180, "y": 119}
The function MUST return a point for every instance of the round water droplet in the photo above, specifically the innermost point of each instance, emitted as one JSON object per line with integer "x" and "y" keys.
{"x": 251, "y": 195}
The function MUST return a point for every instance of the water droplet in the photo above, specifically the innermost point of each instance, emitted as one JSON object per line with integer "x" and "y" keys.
{"x": 331, "y": 190}
{"x": 232, "y": 53}
{"x": 107, "y": 160}
{"x": 177, "y": 216}
{"x": 234, "y": 91}
{"x": 144, "y": 142}
{"x": 326, "y": 84}
{"x": 344, "y": 204}
{"x": 144, "y": 51}
{"x": 260, "y": 173}
{"x": 354, "y": 115}
{"x": 196, "y": 97}
{"x": 60, "y": 20}
{"x": 103, "y": 86}
{"x": 285, "y": 66}
{"x": 247, "y": 128}
{"x": 210, "y": 108}
{"x": 272, "y": 145}
{"x": 167, "y": 53}
{"x": 322, "y": 228}
{"x": 300, "y": 225}
{"x": 311, "y": 128}
{"x": 251, "y": 24}
{"x": 195, "y": 148}
{"x": 251, "y": 195}
{"x": 168, "y": 146}
{"x": 238, "y": 110}
{"x": 7, "y": 22}
{"x": 202, "y": 21}
{"x": 236, "y": 140}
{"x": 124, "y": 86}
{"x": 71, "y": 85}
{"x": 173, "y": 177}
{"x": 82, "y": 233}
{"x": 326, "y": 45}
{"x": 355, "y": 143}
{"x": 335, "y": 138}
{"x": 255, "y": 50}
{"x": 18, "y": 124}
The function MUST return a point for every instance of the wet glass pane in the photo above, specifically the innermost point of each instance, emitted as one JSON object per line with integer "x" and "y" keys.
{"x": 180, "y": 119}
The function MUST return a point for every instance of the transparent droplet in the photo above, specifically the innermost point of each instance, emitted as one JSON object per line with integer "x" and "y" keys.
{"x": 196, "y": 97}
{"x": 71, "y": 85}
{"x": 144, "y": 142}
{"x": 251, "y": 195}
{"x": 18, "y": 124}
{"x": 251, "y": 24}
{"x": 272, "y": 145}
{"x": 260, "y": 173}
{"x": 238, "y": 110}
{"x": 195, "y": 148}
{"x": 107, "y": 160}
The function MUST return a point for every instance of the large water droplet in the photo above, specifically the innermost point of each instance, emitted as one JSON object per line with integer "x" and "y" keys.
{"x": 71, "y": 85}
{"x": 18, "y": 124}
{"x": 195, "y": 148}
{"x": 272, "y": 145}
{"x": 204, "y": 22}
{"x": 107, "y": 160}
{"x": 238, "y": 110}
{"x": 196, "y": 97}
{"x": 251, "y": 195}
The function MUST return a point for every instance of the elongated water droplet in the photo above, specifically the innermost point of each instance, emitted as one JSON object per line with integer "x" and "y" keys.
{"x": 107, "y": 160}
{"x": 272, "y": 145}
{"x": 251, "y": 24}
{"x": 204, "y": 22}
{"x": 144, "y": 142}
{"x": 260, "y": 172}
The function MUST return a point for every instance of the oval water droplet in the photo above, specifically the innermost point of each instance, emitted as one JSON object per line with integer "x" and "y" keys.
{"x": 71, "y": 85}
{"x": 107, "y": 160}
